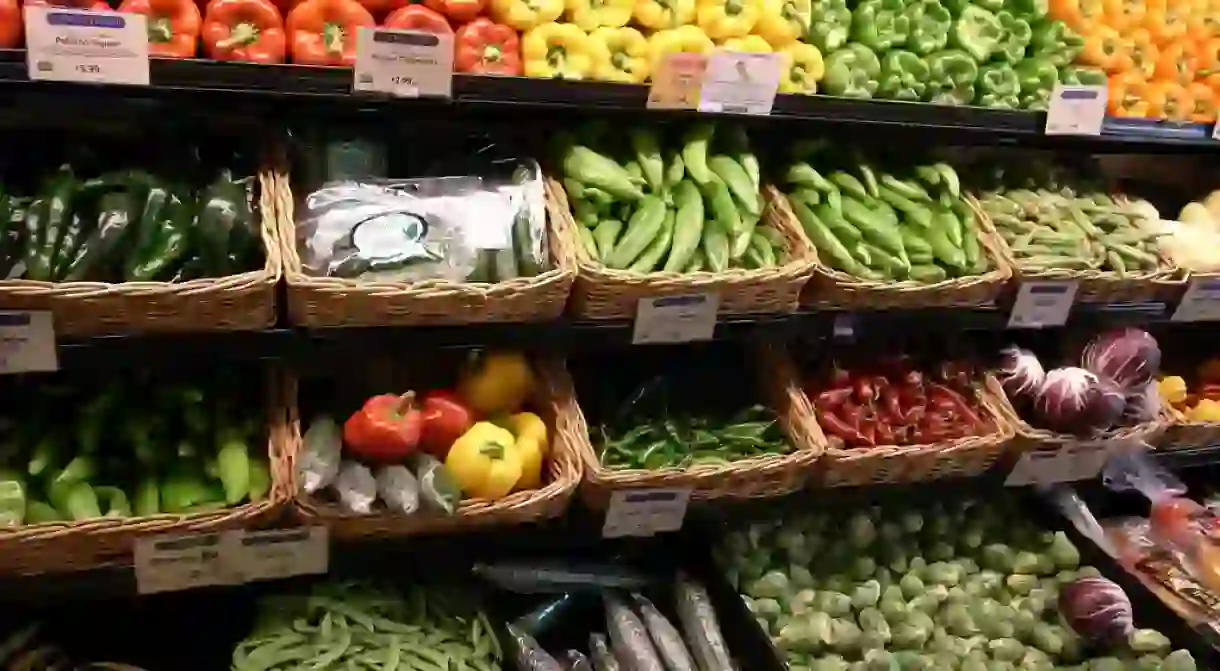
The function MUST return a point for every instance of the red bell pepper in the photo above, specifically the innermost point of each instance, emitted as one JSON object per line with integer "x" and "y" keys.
{"x": 10, "y": 24}
{"x": 458, "y": 11}
{"x": 95, "y": 5}
{"x": 445, "y": 420}
{"x": 386, "y": 428}
{"x": 487, "y": 48}
{"x": 244, "y": 30}
{"x": 418, "y": 17}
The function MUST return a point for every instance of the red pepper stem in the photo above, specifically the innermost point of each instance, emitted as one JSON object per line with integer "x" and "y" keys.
{"x": 492, "y": 53}
{"x": 332, "y": 38}
{"x": 405, "y": 402}
{"x": 243, "y": 34}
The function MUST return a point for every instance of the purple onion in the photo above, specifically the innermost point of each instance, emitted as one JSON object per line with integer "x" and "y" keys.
{"x": 1020, "y": 373}
{"x": 1129, "y": 356}
{"x": 1072, "y": 400}
{"x": 1097, "y": 610}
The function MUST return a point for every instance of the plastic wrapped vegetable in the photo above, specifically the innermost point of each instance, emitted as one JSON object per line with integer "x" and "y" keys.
{"x": 356, "y": 488}
{"x": 574, "y": 660}
{"x": 599, "y": 651}
{"x": 398, "y": 489}
{"x": 664, "y": 635}
{"x": 629, "y": 638}
{"x": 529, "y": 655}
{"x": 321, "y": 453}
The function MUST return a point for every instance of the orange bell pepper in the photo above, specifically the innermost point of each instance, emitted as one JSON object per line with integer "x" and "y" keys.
{"x": 1205, "y": 103}
{"x": 487, "y": 48}
{"x": 1081, "y": 15}
{"x": 1208, "y": 58}
{"x": 10, "y": 24}
{"x": 1168, "y": 100}
{"x": 1124, "y": 92}
{"x": 173, "y": 25}
{"x": 1144, "y": 53}
{"x": 1166, "y": 20}
{"x": 244, "y": 30}
{"x": 1177, "y": 62}
{"x": 1124, "y": 15}
{"x": 1107, "y": 49}
{"x": 323, "y": 32}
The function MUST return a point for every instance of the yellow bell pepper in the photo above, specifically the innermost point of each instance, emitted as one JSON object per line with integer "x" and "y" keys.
{"x": 531, "y": 438}
{"x": 485, "y": 462}
{"x": 524, "y": 15}
{"x": 722, "y": 19}
{"x": 664, "y": 14}
{"x": 527, "y": 425}
{"x": 559, "y": 51}
{"x": 784, "y": 21}
{"x": 496, "y": 383}
{"x": 1207, "y": 411}
{"x": 593, "y": 14}
{"x": 619, "y": 55}
{"x": 803, "y": 68}
{"x": 687, "y": 40}
{"x": 749, "y": 44}
{"x": 1172, "y": 389}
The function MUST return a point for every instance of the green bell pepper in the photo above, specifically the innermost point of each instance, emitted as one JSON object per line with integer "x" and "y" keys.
{"x": 852, "y": 72}
{"x": 1036, "y": 102}
{"x": 930, "y": 22}
{"x": 998, "y": 79}
{"x": 977, "y": 32}
{"x": 1037, "y": 78}
{"x": 951, "y": 77}
{"x": 997, "y": 101}
{"x": 1055, "y": 42}
{"x": 880, "y": 24}
{"x": 959, "y": 6}
{"x": 903, "y": 76}
{"x": 1030, "y": 10}
{"x": 1082, "y": 75}
{"x": 829, "y": 25}
{"x": 1017, "y": 35}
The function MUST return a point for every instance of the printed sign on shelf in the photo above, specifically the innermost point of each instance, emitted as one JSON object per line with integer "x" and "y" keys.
{"x": 740, "y": 82}
{"x": 278, "y": 553}
{"x": 677, "y": 81}
{"x": 674, "y": 319}
{"x": 403, "y": 63}
{"x": 171, "y": 563}
{"x": 1200, "y": 303}
{"x": 1070, "y": 463}
{"x": 1041, "y": 304}
{"x": 27, "y": 343}
{"x": 644, "y": 512}
{"x": 1076, "y": 110}
{"x": 76, "y": 45}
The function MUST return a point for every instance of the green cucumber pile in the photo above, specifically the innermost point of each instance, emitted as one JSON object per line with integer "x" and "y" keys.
{"x": 891, "y": 223}
{"x": 685, "y": 203}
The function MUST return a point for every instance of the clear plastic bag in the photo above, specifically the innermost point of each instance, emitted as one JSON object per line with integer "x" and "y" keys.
{"x": 665, "y": 636}
{"x": 698, "y": 619}
{"x": 321, "y": 452}
{"x": 629, "y": 637}
{"x": 355, "y": 488}
{"x": 398, "y": 489}
{"x": 528, "y": 655}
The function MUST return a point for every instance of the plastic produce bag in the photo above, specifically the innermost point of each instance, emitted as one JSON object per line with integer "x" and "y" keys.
{"x": 664, "y": 635}
{"x": 698, "y": 620}
{"x": 539, "y": 620}
{"x": 528, "y": 655}
{"x": 599, "y": 651}
{"x": 356, "y": 488}
{"x": 540, "y": 578}
{"x": 629, "y": 638}
{"x": 320, "y": 454}
{"x": 438, "y": 491}
{"x": 398, "y": 489}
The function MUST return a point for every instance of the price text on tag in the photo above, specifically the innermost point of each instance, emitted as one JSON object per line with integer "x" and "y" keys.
{"x": 672, "y": 319}
{"x": 1042, "y": 304}
{"x": 1070, "y": 463}
{"x": 644, "y": 512}
{"x": 27, "y": 343}
{"x": 1200, "y": 303}
{"x": 1076, "y": 110}
{"x": 279, "y": 553}
{"x": 677, "y": 81}
{"x": 738, "y": 82}
{"x": 73, "y": 45}
{"x": 171, "y": 563}
{"x": 403, "y": 63}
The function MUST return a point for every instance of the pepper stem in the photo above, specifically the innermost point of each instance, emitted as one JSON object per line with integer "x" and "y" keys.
{"x": 492, "y": 450}
{"x": 160, "y": 29}
{"x": 492, "y": 53}
{"x": 733, "y": 7}
{"x": 243, "y": 34}
{"x": 405, "y": 402}
{"x": 332, "y": 38}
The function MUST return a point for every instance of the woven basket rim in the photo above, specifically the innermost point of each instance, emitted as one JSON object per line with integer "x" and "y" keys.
{"x": 1029, "y": 432}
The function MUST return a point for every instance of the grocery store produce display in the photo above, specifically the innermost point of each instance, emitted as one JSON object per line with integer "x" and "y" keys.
{"x": 957, "y": 584}
{"x": 1191, "y": 240}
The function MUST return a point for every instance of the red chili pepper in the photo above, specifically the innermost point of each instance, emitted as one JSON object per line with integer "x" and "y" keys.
{"x": 839, "y": 377}
{"x": 865, "y": 393}
{"x": 831, "y": 399}
{"x": 886, "y": 434}
{"x": 892, "y": 404}
{"x": 836, "y": 426}
{"x": 964, "y": 411}
{"x": 868, "y": 432}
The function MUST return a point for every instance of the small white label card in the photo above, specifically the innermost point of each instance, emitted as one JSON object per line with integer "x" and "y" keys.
{"x": 403, "y": 63}
{"x": 844, "y": 327}
{"x": 172, "y": 563}
{"x": 1200, "y": 303}
{"x": 740, "y": 82}
{"x": 677, "y": 81}
{"x": 673, "y": 319}
{"x": 278, "y": 553}
{"x": 27, "y": 343}
{"x": 1070, "y": 463}
{"x": 1216, "y": 131}
{"x": 644, "y": 512}
{"x": 1042, "y": 304}
{"x": 76, "y": 45}
{"x": 1076, "y": 110}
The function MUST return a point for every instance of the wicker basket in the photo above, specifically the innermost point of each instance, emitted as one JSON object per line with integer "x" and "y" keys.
{"x": 606, "y": 293}
{"x": 54, "y": 547}
{"x": 758, "y": 477}
{"x": 562, "y": 477}
{"x": 1095, "y": 286}
{"x": 833, "y": 289}
{"x": 1031, "y": 438}
{"x": 334, "y": 301}
{"x": 1183, "y": 435}
{"x": 244, "y": 302}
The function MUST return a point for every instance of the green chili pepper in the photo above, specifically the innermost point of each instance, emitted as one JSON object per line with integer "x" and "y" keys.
{"x": 44, "y": 220}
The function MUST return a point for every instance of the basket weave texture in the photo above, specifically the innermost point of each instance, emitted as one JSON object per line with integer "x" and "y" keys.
{"x": 244, "y": 302}
{"x": 551, "y": 500}
{"x": 1031, "y": 438}
{"x": 607, "y": 293}
{"x": 336, "y": 301}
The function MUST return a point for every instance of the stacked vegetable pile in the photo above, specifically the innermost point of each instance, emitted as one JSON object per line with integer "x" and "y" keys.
{"x": 1113, "y": 388}
{"x": 1054, "y": 219}
{"x": 129, "y": 226}
{"x": 897, "y": 402}
{"x": 344, "y": 625}
{"x": 888, "y": 223}
{"x": 1198, "y": 402}
{"x": 475, "y": 442}
{"x": 120, "y": 453}
{"x": 1193, "y": 240}
{"x": 962, "y": 585}
{"x": 680, "y": 204}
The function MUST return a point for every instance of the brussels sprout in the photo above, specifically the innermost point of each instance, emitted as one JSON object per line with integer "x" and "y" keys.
{"x": 1148, "y": 641}
{"x": 996, "y": 665}
{"x": 967, "y": 565}
{"x": 834, "y": 604}
{"x": 863, "y": 567}
{"x": 938, "y": 592}
{"x": 844, "y": 636}
{"x": 1106, "y": 664}
{"x": 773, "y": 585}
{"x": 908, "y": 636}
{"x": 1178, "y": 660}
{"x": 998, "y": 557}
{"x": 1023, "y": 626}
{"x": 871, "y": 618}
{"x": 1148, "y": 663}
{"x": 838, "y": 583}
{"x": 912, "y": 522}
{"x": 972, "y": 536}
{"x": 916, "y": 565}
{"x": 895, "y": 611}
{"x": 912, "y": 586}
{"x": 1020, "y": 583}
{"x": 1087, "y": 572}
{"x": 1025, "y": 562}
{"x": 925, "y": 603}
{"x": 1048, "y": 638}
{"x": 958, "y": 621}
{"x": 883, "y": 576}
{"x": 860, "y": 530}
{"x": 880, "y": 660}
{"x": 898, "y": 563}
{"x": 942, "y": 573}
{"x": 829, "y": 663}
{"x": 1005, "y": 649}
{"x": 974, "y": 665}
{"x": 890, "y": 532}
{"x": 1035, "y": 660}
{"x": 796, "y": 635}
{"x": 799, "y": 577}
{"x": 958, "y": 595}
{"x": 768, "y": 608}
{"x": 802, "y": 602}
{"x": 941, "y": 551}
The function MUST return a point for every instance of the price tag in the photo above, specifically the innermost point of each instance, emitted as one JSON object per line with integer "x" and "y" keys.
{"x": 403, "y": 63}
{"x": 644, "y": 512}
{"x": 1201, "y": 303}
{"x": 75, "y": 45}
{"x": 1070, "y": 463}
{"x": 27, "y": 343}
{"x": 279, "y": 553}
{"x": 1216, "y": 131}
{"x": 672, "y": 319}
{"x": 844, "y": 327}
{"x": 1042, "y": 304}
{"x": 1076, "y": 110}
{"x": 738, "y": 82}
{"x": 172, "y": 563}
{"x": 677, "y": 81}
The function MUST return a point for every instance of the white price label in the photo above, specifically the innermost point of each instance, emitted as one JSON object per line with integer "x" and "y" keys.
{"x": 845, "y": 327}
{"x": 672, "y": 319}
{"x": 172, "y": 563}
{"x": 403, "y": 63}
{"x": 1076, "y": 110}
{"x": 644, "y": 512}
{"x": 1216, "y": 131}
{"x": 76, "y": 45}
{"x": 739, "y": 82}
{"x": 27, "y": 343}
{"x": 676, "y": 81}
{"x": 1042, "y": 304}
{"x": 279, "y": 553}
{"x": 1070, "y": 463}
{"x": 1200, "y": 303}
